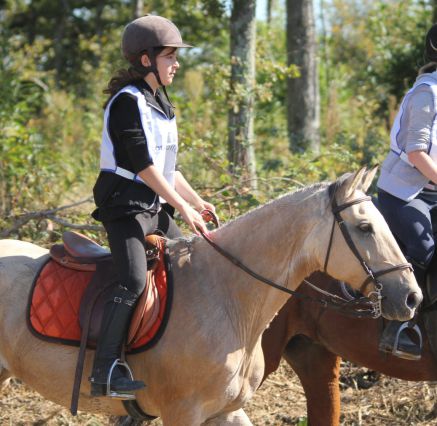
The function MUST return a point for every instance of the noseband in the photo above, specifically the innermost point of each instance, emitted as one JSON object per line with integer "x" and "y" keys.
{"x": 361, "y": 307}
{"x": 372, "y": 276}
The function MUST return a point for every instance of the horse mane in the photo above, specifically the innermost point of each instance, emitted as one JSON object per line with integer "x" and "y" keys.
{"x": 294, "y": 197}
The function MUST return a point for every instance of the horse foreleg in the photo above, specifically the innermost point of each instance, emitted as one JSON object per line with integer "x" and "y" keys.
{"x": 318, "y": 370}
{"x": 128, "y": 421}
{"x": 236, "y": 418}
{"x": 181, "y": 414}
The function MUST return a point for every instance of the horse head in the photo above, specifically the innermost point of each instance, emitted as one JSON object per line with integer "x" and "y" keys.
{"x": 363, "y": 252}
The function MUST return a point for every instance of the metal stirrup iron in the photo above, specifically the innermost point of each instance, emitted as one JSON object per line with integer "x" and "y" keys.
{"x": 117, "y": 394}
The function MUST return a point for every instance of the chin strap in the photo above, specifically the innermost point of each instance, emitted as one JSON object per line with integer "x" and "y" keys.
{"x": 139, "y": 67}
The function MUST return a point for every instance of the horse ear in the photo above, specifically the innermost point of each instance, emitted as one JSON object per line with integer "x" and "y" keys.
{"x": 368, "y": 178}
{"x": 350, "y": 183}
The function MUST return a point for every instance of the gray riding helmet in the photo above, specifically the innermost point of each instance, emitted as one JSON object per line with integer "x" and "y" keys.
{"x": 145, "y": 33}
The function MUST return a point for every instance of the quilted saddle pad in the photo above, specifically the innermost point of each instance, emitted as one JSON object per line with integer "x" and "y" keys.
{"x": 56, "y": 295}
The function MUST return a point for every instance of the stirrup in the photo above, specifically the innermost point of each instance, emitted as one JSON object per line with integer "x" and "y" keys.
{"x": 118, "y": 394}
{"x": 393, "y": 347}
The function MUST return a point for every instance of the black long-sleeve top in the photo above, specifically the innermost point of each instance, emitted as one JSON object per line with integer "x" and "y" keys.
{"x": 114, "y": 195}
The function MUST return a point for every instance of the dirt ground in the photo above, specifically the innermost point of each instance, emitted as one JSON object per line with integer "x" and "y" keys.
{"x": 280, "y": 401}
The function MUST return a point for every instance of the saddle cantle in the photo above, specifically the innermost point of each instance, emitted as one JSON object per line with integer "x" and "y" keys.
{"x": 72, "y": 288}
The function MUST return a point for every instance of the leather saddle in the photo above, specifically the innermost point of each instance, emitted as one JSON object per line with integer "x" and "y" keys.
{"x": 83, "y": 254}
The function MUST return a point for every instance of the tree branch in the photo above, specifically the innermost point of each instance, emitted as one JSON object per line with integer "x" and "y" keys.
{"x": 49, "y": 214}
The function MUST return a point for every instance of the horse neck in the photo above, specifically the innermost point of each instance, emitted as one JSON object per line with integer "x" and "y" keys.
{"x": 272, "y": 241}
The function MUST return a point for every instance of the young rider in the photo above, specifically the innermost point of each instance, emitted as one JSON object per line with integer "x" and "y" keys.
{"x": 138, "y": 160}
{"x": 407, "y": 187}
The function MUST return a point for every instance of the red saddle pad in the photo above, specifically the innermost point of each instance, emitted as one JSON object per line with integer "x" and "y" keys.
{"x": 55, "y": 299}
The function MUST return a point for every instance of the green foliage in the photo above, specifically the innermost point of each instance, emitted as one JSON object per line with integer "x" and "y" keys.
{"x": 57, "y": 61}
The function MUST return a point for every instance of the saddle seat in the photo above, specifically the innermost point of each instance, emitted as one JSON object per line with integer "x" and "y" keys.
{"x": 82, "y": 253}
{"x": 83, "y": 248}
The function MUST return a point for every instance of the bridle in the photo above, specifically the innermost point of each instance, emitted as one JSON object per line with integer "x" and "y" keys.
{"x": 361, "y": 307}
{"x": 375, "y": 296}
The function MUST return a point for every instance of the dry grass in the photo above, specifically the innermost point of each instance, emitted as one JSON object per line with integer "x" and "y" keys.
{"x": 280, "y": 401}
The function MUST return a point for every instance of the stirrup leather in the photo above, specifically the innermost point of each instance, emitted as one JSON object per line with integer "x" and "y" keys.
{"x": 117, "y": 394}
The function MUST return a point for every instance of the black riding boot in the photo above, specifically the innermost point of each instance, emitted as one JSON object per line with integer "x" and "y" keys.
{"x": 404, "y": 339}
{"x": 106, "y": 369}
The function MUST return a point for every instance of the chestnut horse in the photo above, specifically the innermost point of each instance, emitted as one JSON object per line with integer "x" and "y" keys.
{"x": 209, "y": 361}
{"x": 313, "y": 339}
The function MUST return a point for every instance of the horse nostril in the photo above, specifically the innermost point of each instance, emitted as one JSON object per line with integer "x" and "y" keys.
{"x": 413, "y": 300}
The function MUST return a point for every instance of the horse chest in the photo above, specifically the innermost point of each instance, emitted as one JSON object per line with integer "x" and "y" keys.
{"x": 245, "y": 380}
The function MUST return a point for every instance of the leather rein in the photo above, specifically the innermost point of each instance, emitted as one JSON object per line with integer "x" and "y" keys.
{"x": 359, "y": 307}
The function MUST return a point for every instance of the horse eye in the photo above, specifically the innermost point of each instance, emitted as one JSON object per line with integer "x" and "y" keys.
{"x": 365, "y": 227}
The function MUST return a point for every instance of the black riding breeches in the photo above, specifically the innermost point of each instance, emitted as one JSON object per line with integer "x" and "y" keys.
{"x": 411, "y": 223}
{"x": 127, "y": 244}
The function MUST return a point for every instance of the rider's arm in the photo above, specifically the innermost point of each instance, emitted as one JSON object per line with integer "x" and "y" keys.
{"x": 189, "y": 194}
{"x": 418, "y": 138}
{"x": 156, "y": 181}
{"x": 425, "y": 164}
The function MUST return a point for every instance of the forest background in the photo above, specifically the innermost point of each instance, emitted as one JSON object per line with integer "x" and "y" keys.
{"x": 58, "y": 56}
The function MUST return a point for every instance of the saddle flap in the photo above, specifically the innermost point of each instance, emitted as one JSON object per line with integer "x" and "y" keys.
{"x": 146, "y": 312}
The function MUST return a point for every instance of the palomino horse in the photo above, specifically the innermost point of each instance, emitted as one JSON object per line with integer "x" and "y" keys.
{"x": 313, "y": 340}
{"x": 209, "y": 361}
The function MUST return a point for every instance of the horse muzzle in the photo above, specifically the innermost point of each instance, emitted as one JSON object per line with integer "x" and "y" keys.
{"x": 400, "y": 301}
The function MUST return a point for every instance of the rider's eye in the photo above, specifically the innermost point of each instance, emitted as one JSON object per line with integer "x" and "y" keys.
{"x": 365, "y": 227}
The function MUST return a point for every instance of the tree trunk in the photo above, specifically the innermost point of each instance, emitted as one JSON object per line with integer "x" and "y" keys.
{"x": 99, "y": 30}
{"x": 303, "y": 102}
{"x": 241, "y": 151}
{"x": 138, "y": 6}
{"x": 434, "y": 11}
{"x": 269, "y": 11}
{"x": 58, "y": 41}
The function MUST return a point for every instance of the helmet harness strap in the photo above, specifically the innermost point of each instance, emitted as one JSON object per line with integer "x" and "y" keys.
{"x": 138, "y": 66}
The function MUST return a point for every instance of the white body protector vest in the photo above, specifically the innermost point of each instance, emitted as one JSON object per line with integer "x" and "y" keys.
{"x": 161, "y": 136}
{"x": 394, "y": 146}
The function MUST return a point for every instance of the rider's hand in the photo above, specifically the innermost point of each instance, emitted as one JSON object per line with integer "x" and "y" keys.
{"x": 204, "y": 205}
{"x": 193, "y": 219}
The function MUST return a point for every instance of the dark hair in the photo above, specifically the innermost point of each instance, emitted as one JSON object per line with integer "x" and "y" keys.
{"x": 123, "y": 77}
{"x": 430, "y": 52}
{"x": 431, "y": 44}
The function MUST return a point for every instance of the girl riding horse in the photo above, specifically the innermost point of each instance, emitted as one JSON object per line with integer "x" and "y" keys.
{"x": 407, "y": 189}
{"x": 138, "y": 160}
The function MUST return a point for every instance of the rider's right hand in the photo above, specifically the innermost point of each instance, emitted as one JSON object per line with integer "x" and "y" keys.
{"x": 193, "y": 219}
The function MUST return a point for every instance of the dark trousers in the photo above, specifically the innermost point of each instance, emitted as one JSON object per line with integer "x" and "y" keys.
{"x": 127, "y": 244}
{"x": 411, "y": 223}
